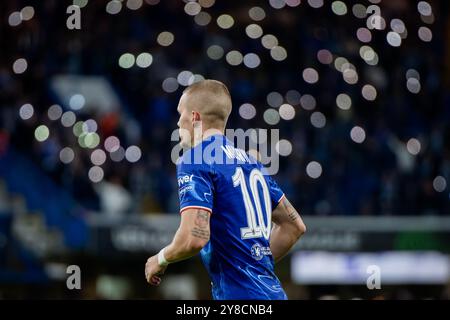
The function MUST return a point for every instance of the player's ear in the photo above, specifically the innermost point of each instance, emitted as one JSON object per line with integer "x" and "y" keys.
{"x": 195, "y": 116}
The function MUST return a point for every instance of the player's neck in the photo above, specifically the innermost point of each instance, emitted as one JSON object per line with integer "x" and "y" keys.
{"x": 211, "y": 132}
{"x": 199, "y": 137}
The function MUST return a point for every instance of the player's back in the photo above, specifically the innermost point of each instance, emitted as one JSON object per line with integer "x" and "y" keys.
{"x": 226, "y": 181}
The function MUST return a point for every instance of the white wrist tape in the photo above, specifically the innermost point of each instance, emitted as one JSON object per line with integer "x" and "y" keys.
{"x": 161, "y": 259}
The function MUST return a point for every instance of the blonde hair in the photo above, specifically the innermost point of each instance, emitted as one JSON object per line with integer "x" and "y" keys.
{"x": 212, "y": 100}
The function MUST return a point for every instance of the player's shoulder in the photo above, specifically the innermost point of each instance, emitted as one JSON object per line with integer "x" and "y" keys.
{"x": 201, "y": 156}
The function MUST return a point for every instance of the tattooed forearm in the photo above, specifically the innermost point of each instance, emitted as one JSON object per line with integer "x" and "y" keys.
{"x": 200, "y": 233}
{"x": 292, "y": 213}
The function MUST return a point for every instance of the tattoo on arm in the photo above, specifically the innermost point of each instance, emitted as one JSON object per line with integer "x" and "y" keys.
{"x": 292, "y": 213}
{"x": 200, "y": 233}
{"x": 201, "y": 229}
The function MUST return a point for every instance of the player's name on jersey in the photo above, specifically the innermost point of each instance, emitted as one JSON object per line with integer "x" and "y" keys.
{"x": 234, "y": 153}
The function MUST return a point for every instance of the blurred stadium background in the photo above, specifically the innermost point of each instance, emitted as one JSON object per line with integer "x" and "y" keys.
{"x": 86, "y": 118}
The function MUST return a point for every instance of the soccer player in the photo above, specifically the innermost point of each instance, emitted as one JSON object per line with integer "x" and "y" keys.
{"x": 227, "y": 207}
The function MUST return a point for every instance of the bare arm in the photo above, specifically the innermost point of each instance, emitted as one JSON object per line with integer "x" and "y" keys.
{"x": 191, "y": 236}
{"x": 288, "y": 228}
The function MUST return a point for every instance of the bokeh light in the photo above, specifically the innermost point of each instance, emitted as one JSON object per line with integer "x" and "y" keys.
{"x": 113, "y": 7}
{"x": 68, "y": 118}
{"x": 278, "y": 53}
{"x": 315, "y": 3}
{"x": 26, "y": 111}
{"x": 308, "y": 102}
{"x": 247, "y": 111}
{"x": 369, "y": 92}
{"x": 66, "y": 155}
{"x": 41, "y": 133}
{"x": 215, "y": 52}
{"x": 77, "y": 102}
{"x": 424, "y": 8}
{"x": 96, "y": 174}
{"x": 202, "y": 19}
{"x": 257, "y": 13}
{"x": 310, "y": 75}
{"x": 425, "y": 34}
{"x": 343, "y": 101}
{"x": 412, "y": 73}
{"x": 144, "y": 60}
{"x": 292, "y": 3}
{"x": 269, "y": 41}
{"x": 251, "y": 60}
{"x": 398, "y": 26}
{"x": 439, "y": 184}
{"x": 318, "y": 119}
{"x": 98, "y": 157}
{"x": 133, "y": 154}
{"x": 20, "y": 66}
{"x": 54, "y": 112}
{"x": 112, "y": 144}
{"x": 91, "y": 140}
{"x": 206, "y": 3}
{"x": 274, "y": 99}
{"x": 254, "y": 31}
{"x": 165, "y": 38}
{"x": 195, "y": 78}
{"x": 339, "y": 8}
{"x": 27, "y": 13}
{"x": 192, "y": 8}
{"x": 314, "y": 169}
{"x": 126, "y": 60}
{"x": 271, "y": 116}
{"x": 394, "y": 39}
{"x": 283, "y": 147}
{"x": 413, "y": 146}
{"x": 170, "y": 85}
{"x": 80, "y": 3}
{"x": 117, "y": 155}
{"x": 134, "y": 4}
{"x": 287, "y": 112}
{"x": 413, "y": 85}
{"x": 234, "y": 58}
{"x": 357, "y": 134}
{"x": 359, "y": 11}
{"x": 90, "y": 125}
{"x": 14, "y": 19}
{"x": 324, "y": 56}
{"x": 78, "y": 129}
{"x": 184, "y": 77}
{"x": 277, "y": 4}
{"x": 225, "y": 21}
{"x": 364, "y": 35}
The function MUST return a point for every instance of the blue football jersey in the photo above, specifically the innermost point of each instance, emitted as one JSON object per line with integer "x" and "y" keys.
{"x": 232, "y": 185}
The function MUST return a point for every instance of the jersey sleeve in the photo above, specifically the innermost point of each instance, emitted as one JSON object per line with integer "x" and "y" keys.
{"x": 195, "y": 186}
{"x": 276, "y": 194}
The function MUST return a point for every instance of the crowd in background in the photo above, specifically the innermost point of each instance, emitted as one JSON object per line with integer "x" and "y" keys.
{"x": 370, "y": 178}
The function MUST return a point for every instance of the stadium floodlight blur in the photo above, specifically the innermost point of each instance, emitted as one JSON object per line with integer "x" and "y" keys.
{"x": 359, "y": 93}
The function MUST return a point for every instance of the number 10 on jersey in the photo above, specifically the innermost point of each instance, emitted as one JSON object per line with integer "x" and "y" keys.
{"x": 256, "y": 227}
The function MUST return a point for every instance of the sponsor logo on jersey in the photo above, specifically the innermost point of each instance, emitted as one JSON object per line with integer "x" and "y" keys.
{"x": 185, "y": 189}
{"x": 185, "y": 179}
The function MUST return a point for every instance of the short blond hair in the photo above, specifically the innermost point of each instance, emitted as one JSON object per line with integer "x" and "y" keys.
{"x": 212, "y": 100}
